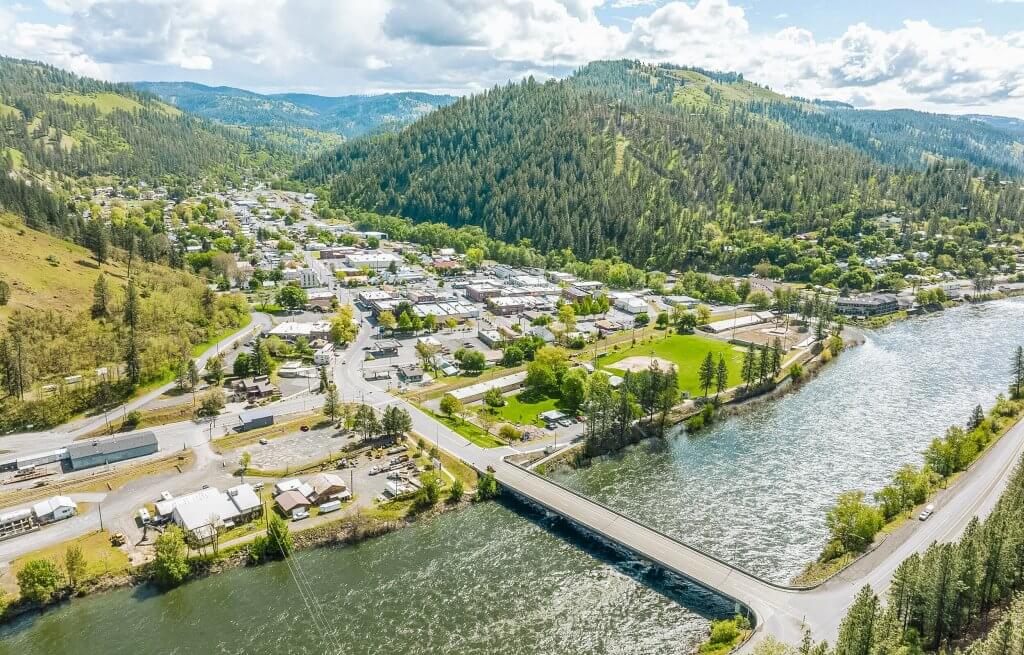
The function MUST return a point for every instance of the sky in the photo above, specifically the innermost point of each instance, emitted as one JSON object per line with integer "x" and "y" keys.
{"x": 938, "y": 55}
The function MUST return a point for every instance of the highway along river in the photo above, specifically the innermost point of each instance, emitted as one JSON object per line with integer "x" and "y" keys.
{"x": 500, "y": 578}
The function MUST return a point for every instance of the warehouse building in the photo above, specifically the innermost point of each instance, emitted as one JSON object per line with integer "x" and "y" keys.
{"x": 97, "y": 452}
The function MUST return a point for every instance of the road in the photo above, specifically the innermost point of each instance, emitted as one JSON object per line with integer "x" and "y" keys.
{"x": 780, "y": 611}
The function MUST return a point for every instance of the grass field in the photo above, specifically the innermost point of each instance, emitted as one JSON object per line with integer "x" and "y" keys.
{"x": 63, "y": 283}
{"x": 471, "y": 432}
{"x": 686, "y": 351}
{"x": 525, "y": 408}
{"x": 101, "y": 558}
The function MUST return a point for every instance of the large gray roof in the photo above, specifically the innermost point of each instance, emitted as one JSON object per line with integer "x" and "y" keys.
{"x": 110, "y": 445}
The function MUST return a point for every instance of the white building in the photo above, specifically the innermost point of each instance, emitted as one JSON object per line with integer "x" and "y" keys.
{"x": 323, "y": 356}
{"x": 202, "y": 513}
{"x": 53, "y": 509}
{"x": 375, "y": 261}
{"x": 630, "y": 304}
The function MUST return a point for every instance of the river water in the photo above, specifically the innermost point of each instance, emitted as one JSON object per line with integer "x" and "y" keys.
{"x": 499, "y": 578}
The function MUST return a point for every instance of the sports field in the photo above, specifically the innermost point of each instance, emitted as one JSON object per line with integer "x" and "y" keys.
{"x": 686, "y": 351}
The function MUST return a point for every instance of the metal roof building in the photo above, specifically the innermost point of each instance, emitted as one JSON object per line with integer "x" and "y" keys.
{"x": 95, "y": 452}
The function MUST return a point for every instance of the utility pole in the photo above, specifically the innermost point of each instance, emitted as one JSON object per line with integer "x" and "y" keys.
{"x": 99, "y": 506}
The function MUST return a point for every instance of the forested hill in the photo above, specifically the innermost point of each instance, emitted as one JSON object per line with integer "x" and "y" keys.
{"x": 910, "y": 138}
{"x": 53, "y": 120}
{"x": 656, "y": 162}
{"x": 349, "y": 116}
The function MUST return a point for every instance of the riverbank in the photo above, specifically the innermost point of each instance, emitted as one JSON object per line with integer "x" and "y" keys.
{"x": 1003, "y": 417}
{"x": 347, "y": 529}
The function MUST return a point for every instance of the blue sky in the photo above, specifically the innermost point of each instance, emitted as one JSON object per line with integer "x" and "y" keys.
{"x": 940, "y": 56}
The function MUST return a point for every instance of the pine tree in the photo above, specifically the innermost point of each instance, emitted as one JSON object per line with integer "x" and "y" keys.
{"x": 856, "y": 632}
{"x": 1017, "y": 388}
{"x": 749, "y": 371}
{"x": 331, "y": 403}
{"x": 100, "y": 298}
{"x": 132, "y": 358}
{"x": 706, "y": 373}
{"x": 721, "y": 376}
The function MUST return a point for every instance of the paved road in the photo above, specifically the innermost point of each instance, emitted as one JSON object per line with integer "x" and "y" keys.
{"x": 780, "y": 611}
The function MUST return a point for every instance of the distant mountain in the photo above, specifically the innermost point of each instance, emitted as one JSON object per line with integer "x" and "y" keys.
{"x": 53, "y": 120}
{"x": 905, "y": 137}
{"x": 349, "y": 116}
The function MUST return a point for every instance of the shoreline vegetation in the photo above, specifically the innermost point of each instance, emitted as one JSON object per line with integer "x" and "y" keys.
{"x": 857, "y": 524}
{"x": 61, "y": 572}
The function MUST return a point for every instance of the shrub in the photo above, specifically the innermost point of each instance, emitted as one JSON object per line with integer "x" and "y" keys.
{"x": 509, "y": 433}
{"x": 796, "y": 371}
{"x": 695, "y": 423}
{"x": 132, "y": 419}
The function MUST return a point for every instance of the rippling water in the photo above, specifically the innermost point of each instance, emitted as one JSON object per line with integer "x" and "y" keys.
{"x": 754, "y": 489}
{"x": 497, "y": 578}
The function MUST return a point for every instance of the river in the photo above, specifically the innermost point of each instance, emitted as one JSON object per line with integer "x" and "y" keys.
{"x": 498, "y": 578}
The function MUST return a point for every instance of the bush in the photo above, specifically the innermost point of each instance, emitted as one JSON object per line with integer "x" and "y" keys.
{"x": 456, "y": 492}
{"x": 132, "y": 419}
{"x": 39, "y": 581}
{"x": 695, "y": 423}
{"x": 796, "y": 371}
{"x": 509, "y": 433}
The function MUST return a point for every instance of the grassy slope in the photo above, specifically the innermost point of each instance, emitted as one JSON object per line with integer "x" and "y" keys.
{"x": 35, "y": 282}
{"x": 108, "y": 102}
{"x": 686, "y": 351}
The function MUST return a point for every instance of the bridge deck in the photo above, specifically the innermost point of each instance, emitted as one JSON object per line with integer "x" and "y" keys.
{"x": 770, "y": 603}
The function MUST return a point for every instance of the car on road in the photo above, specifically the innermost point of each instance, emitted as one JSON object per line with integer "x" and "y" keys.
{"x": 374, "y": 470}
{"x": 926, "y": 512}
{"x": 304, "y": 428}
{"x": 264, "y": 442}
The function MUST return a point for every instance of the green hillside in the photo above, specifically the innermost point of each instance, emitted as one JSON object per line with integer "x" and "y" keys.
{"x": 663, "y": 165}
{"x": 53, "y": 120}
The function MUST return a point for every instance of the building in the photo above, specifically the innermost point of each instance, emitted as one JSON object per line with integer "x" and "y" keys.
{"x": 868, "y": 305}
{"x": 97, "y": 452}
{"x": 504, "y": 384}
{"x": 324, "y": 355}
{"x": 503, "y": 306}
{"x": 291, "y": 330}
{"x": 411, "y": 373}
{"x": 490, "y": 338}
{"x": 18, "y": 522}
{"x": 255, "y": 388}
{"x": 256, "y": 418}
{"x": 375, "y": 261}
{"x": 327, "y": 487}
{"x": 203, "y": 513}
{"x": 386, "y": 348}
{"x": 630, "y": 304}
{"x": 289, "y": 501}
{"x": 53, "y": 509}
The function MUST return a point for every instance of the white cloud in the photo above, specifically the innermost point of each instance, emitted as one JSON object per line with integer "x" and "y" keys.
{"x": 467, "y": 45}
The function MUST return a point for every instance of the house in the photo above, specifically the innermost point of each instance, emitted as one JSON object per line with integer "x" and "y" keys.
{"x": 867, "y": 305}
{"x": 293, "y": 484}
{"x": 255, "y": 388}
{"x": 256, "y": 418}
{"x": 605, "y": 327}
{"x": 411, "y": 373}
{"x": 53, "y": 509}
{"x": 328, "y": 486}
{"x": 289, "y": 501}
{"x": 95, "y": 452}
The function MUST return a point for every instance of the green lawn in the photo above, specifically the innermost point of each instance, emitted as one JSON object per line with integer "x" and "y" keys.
{"x": 471, "y": 432}
{"x": 686, "y": 351}
{"x": 525, "y": 408}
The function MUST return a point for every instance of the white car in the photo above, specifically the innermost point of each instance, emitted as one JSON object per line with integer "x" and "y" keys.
{"x": 926, "y": 512}
{"x": 300, "y": 513}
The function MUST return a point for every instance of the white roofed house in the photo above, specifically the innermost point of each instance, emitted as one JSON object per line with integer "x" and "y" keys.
{"x": 202, "y": 514}
{"x": 53, "y": 509}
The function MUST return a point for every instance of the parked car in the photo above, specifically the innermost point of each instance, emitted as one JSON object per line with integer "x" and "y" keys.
{"x": 565, "y": 422}
{"x": 300, "y": 513}
{"x": 264, "y": 442}
{"x": 926, "y": 512}
{"x": 374, "y": 470}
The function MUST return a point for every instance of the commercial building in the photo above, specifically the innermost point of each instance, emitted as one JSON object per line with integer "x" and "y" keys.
{"x": 375, "y": 261}
{"x": 256, "y": 418}
{"x": 291, "y": 330}
{"x": 203, "y": 513}
{"x": 867, "y": 305}
{"x": 97, "y": 452}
